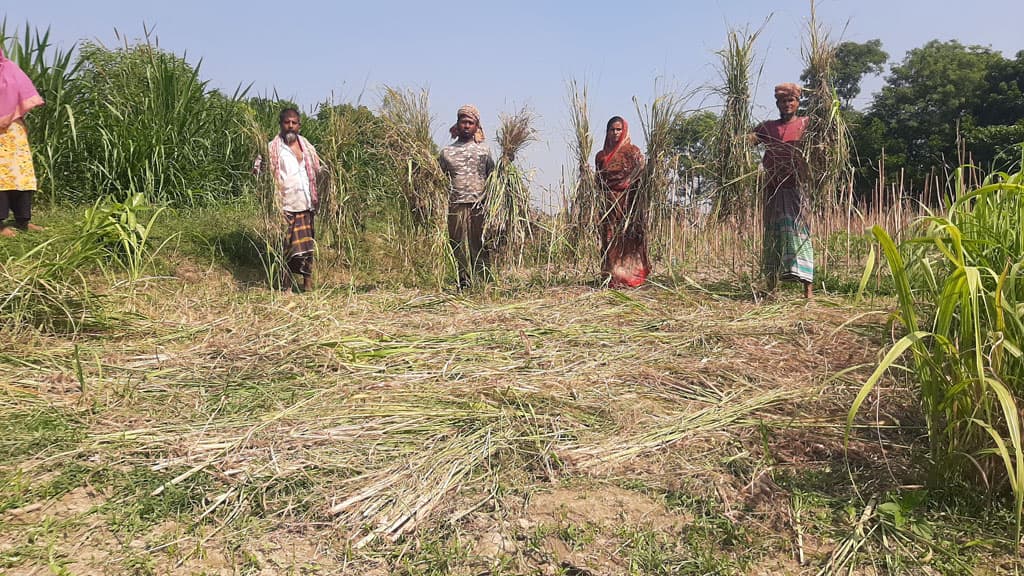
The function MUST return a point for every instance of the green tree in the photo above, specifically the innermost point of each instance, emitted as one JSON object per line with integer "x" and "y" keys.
{"x": 869, "y": 147}
{"x": 853, "y": 61}
{"x": 930, "y": 98}
{"x": 1003, "y": 101}
{"x": 999, "y": 114}
{"x": 691, "y": 136}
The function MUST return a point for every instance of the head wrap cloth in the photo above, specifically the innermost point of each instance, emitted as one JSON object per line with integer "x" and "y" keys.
{"x": 611, "y": 146}
{"x": 788, "y": 89}
{"x": 470, "y": 111}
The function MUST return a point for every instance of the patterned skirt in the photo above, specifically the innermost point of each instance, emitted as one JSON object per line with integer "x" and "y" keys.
{"x": 298, "y": 244}
{"x": 623, "y": 243}
{"x": 788, "y": 250}
{"x": 16, "y": 171}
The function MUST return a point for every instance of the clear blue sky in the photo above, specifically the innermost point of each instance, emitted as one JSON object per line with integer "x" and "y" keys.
{"x": 502, "y": 55}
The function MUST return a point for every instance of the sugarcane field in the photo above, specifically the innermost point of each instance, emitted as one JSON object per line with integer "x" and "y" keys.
{"x": 763, "y": 323}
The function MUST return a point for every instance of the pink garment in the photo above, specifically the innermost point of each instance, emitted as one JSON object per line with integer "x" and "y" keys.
{"x": 615, "y": 170}
{"x": 17, "y": 94}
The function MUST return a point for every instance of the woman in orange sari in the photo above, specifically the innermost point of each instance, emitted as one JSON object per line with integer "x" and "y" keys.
{"x": 623, "y": 242}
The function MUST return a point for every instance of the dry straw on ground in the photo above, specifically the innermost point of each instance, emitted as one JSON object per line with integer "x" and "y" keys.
{"x": 396, "y": 414}
{"x": 391, "y": 422}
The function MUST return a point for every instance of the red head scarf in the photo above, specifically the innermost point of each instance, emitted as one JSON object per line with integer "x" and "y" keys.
{"x": 611, "y": 147}
{"x": 17, "y": 94}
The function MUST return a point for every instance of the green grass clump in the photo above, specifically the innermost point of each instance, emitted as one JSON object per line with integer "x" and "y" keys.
{"x": 960, "y": 285}
{"x": 36, "y": 432}
{"x": 119, "y": 229}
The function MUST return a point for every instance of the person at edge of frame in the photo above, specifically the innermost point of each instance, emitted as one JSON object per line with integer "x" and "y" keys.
{"x": 17, "y": 174}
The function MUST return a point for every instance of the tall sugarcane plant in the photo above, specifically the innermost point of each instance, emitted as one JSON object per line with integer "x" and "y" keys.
{"x": 960, "y": 285}
{"x": 133, "y": 119}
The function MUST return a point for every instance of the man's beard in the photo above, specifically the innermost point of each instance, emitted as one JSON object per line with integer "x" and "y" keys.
{"x": 289, "y": 137}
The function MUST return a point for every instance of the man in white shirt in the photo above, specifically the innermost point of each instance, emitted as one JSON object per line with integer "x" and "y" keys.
{"x": 294, "y": 164}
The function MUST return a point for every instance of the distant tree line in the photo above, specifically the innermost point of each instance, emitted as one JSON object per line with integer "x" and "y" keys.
{"x": 943, "y": 105}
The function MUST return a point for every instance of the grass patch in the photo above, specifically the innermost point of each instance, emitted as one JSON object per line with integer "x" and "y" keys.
{"x": 37, "y": 433}
{"x": 136, "y": 505}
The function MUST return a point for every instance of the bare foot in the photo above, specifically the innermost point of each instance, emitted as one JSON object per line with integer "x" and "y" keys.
{"x": 8, "y": 232}
{"x": 34, "y": 227}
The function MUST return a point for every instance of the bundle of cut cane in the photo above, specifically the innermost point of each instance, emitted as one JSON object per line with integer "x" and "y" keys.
{"x": 827, "y": 146}
{"x": 507, "y": 196}
{"x": 341, "y": 202}
{"x": 409, "y": 143}
{"x": 732, "y": 161}
{"x": 410, "y": 146}
{"x": 270, "y": 230}
{"x": 651, "y": 207}
{"x": 585, "y": 203}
